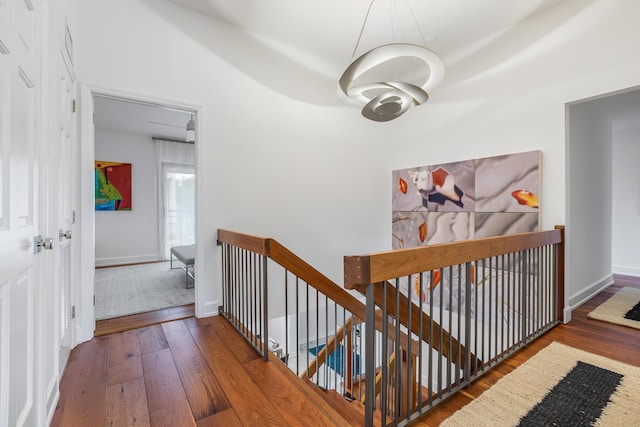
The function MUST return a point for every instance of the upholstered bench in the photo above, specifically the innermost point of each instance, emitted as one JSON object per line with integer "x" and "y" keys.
{"x": 186, "y": 255}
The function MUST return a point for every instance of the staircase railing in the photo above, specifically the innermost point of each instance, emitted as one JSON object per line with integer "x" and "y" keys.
{"x": 492, "y": 296}
{"x": 314, "y": 325}
{"x": 268, "y": 291}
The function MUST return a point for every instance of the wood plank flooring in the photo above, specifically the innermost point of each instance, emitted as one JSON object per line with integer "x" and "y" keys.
{"x": 201, "y": 372}
{"x": 191, "y": 372}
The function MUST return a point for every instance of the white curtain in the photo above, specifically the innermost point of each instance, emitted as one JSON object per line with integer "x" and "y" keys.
{"x": 176, "y": 194}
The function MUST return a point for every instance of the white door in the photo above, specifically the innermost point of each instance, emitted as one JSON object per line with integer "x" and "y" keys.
{"x": 20, "y": 273}
{"x": 64, "y": 190}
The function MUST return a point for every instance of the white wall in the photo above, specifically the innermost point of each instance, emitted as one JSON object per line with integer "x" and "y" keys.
{"x": 626, "y": 201}
{"x": 589, "y": 177}
{"x": 284, "y": 159}
{"x": 293, "y": 166}
{"x": 124, "y": 237}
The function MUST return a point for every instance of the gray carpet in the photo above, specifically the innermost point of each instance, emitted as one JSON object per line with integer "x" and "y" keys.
{"x": 138, "y": 288}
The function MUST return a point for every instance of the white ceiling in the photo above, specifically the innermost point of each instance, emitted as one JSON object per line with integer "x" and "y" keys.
{"x": 328, "y": 30}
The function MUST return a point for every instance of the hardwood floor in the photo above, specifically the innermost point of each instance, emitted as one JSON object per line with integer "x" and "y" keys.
{"x": 201, "y": 372}
{"x": 191, "y": 372}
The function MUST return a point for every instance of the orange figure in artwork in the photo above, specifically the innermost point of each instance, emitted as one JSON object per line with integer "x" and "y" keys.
{"x": 526, "y": 198}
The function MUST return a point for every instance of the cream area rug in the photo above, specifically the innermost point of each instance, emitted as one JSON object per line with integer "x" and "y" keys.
{"x": 132, "y": 289}
{"x": 623, "y": 308}
{"x": 559, "y": 386}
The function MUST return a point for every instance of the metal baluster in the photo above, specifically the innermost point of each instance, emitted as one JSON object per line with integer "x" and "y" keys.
{"x": 420, "y": 335}
{"x": 370, "y": 388}
{"x": 384, "y": 391}
{"x": 450, "y": 343}
{"x": 458, "y": 358}
{"x": 253, "y": 305}
{"x": 408, "y": 363}
{"x": 503, "y": 306}
{"x": 308, "y": 332}
{"x": 397, "y": 350}
{"x": 509, "y": 306}
{"x": 493, "y": 269}
{"x": 265, "y": 309}
{"x": 430, "y": 365}
{"x": 317, "y": 337}
{"x": 467, "y": 323}
{"x": 326, "y": 340}
{"x": 525, "y": 303}
{"x": 286, "y": 317}
{"x": 297, "y": 326}
{"x": 441, "y": 346}
{"x": 485, "y": 357}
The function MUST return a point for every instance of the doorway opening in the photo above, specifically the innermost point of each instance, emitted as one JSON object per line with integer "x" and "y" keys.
{"x": 132, "y": 244}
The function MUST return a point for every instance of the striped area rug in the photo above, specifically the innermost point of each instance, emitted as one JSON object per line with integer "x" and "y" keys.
{"x": 559, "y": 386}
{"x": 623, "y": 308}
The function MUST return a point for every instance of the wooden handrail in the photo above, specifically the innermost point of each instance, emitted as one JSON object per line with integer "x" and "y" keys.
{"x": 296, "y": 265}
{"x": 362, "y": 270}
{"x": 299, "y": 267}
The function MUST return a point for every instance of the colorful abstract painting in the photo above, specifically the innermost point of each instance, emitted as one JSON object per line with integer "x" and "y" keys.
{"x": 112, "y": 186}
{"x": 463, "y": 200}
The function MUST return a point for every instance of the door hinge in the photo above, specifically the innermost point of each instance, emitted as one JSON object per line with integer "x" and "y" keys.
{"x": 73, "y": 312}
{"x": 73, "y": 106}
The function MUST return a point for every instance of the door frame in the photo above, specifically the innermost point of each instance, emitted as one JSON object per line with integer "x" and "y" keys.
{"x": 86, "y": 318}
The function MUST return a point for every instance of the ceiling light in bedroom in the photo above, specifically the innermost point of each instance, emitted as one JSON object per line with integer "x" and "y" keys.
{"x": 387, "y": 80}
{"x": 191, "y": 130}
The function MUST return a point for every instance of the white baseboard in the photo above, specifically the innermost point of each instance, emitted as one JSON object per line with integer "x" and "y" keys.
{"x": 586, "y": 294}
{"x": 208, "y": 309}
{"x": 105, "y": 262}
{"x": 626, "y": 271}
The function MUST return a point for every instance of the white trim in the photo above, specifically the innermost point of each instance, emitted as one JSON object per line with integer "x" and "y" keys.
{"x": 626, "y": 271}
{"x": 207, "y": 309}
{"x": 105, "y": 262}
{"x": 85, "y": 321}
{"x": 589, "y": 292}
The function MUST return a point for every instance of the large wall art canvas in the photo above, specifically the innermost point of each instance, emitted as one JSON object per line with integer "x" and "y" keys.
{"x": 463, "y": 200}
{"x": 112, "y": 186}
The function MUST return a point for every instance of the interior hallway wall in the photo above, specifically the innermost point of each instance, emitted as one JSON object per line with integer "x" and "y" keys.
{"x": 284, "y": 159}
{"x": 626, "y": 200}
{"x": 301, "y": 168}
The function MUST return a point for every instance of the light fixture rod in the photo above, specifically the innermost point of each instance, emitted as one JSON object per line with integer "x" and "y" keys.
{"x": 424, "y": 40}
{"x": 364, "y": 24}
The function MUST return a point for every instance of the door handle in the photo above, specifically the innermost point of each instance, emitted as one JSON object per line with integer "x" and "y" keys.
{"x": 39, "y": 243}
{"x": 64, "y": 234}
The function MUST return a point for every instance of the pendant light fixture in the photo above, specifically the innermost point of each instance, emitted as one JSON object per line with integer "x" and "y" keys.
{"x": 387, "y": 80}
